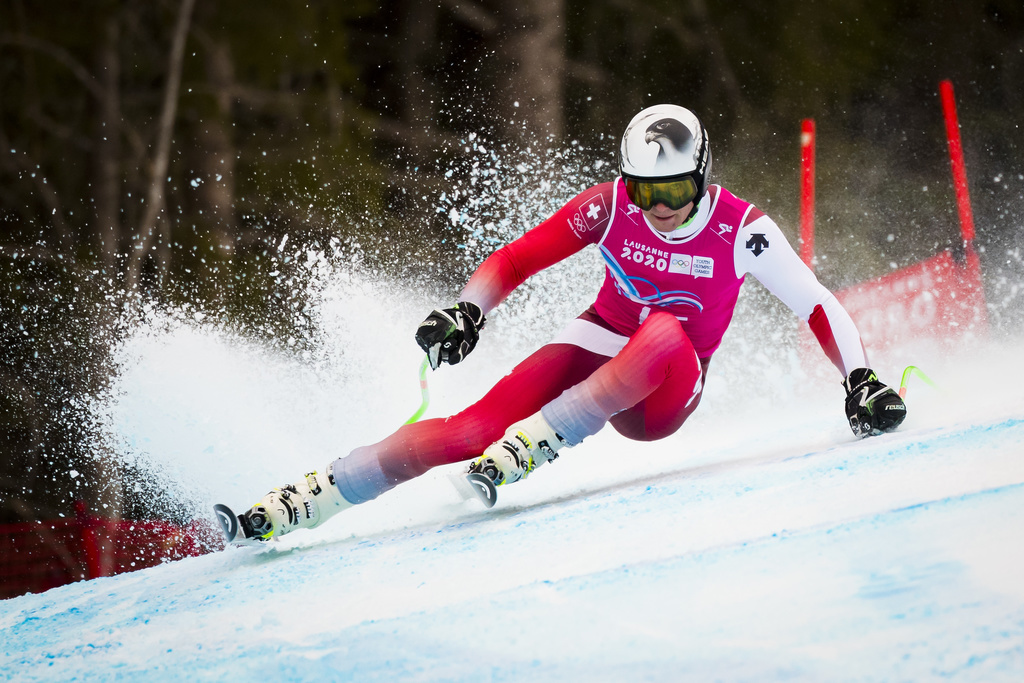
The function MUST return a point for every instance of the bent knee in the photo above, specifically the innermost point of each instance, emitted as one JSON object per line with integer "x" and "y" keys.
{"x": 664, "y": 329}
{"x": 633, "y": 433}
{"x": 633, "y": 425}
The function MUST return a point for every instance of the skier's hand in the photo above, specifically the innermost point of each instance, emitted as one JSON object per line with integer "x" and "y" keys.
{"x": 873, "y": 408}
{"x": 448, "y": 335}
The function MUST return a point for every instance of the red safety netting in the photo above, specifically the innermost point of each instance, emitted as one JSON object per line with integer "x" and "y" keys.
{"x": 37, "y": 556}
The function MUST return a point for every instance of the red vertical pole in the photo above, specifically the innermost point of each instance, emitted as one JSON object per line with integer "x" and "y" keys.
{"x": 956, "y": 160}
{"x": 807, "y": 191}
{"x": 972, "y": 265}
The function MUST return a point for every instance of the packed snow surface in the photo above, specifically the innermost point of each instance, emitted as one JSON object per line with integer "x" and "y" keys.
{"x": 762, "y": 542}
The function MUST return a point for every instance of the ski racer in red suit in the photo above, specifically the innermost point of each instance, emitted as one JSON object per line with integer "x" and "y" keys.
{"x": 677, "y": 250}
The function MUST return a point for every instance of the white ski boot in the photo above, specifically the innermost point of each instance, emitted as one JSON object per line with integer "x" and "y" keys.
{"x": 303, "y": 505}
{"x": 527, "y": 445}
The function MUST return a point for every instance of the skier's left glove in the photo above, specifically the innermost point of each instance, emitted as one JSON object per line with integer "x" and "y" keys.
{"x": 448, "y": 335}
{"x": 873, "y": 408}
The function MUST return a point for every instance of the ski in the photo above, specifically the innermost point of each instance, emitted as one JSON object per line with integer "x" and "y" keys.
{"x": 484, "y": 488}
{"x": 475, "y": 486}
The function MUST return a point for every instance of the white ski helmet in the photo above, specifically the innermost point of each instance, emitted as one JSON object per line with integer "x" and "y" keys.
{"x": 665, "y": 157}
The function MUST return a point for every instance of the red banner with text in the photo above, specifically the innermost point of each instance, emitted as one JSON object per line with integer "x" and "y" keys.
{"x": 936, "y": 299}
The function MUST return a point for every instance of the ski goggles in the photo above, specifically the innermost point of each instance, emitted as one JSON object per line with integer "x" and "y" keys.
{"x": 675, "y": 194}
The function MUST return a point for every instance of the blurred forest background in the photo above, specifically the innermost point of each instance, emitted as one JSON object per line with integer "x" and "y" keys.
{"x": 158, "y": 152}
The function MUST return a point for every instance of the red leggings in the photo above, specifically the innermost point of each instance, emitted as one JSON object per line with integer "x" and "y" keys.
{"x": 648, "y": 390}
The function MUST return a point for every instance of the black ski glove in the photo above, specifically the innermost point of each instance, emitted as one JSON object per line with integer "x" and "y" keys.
{"x": 873, "y": 408}
{"x": 449, "y": 334}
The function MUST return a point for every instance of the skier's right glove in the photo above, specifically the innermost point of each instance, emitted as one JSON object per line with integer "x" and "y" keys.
{"x": 873, "y": 408}
{"x": 448, "y": 335}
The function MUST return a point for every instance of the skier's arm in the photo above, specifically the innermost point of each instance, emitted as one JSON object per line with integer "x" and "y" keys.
{"x": 770, "y": 258}
{"x": 763, "y": 251}
{"x": 449, "y": 335}
{"x": 560, "y": 236}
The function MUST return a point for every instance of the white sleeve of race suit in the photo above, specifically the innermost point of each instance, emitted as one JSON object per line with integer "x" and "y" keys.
{"x": 763, "y": 251}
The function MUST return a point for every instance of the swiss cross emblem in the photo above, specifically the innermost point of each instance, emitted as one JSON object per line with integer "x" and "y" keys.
{"x": 591, "y": 212}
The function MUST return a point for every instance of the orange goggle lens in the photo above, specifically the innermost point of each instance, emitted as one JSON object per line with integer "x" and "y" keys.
{"x": 674, "y": 194}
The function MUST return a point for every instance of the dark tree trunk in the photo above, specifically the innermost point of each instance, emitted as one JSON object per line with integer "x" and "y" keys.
{"x": 530, "y": 104}
{"x": 107, "y": 159}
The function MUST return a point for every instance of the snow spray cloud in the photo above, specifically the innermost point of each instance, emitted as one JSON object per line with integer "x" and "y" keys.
{"x": 202, "y": 408}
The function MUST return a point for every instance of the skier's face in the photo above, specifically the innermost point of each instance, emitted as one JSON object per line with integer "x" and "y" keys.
{"x": 665, "y": 219}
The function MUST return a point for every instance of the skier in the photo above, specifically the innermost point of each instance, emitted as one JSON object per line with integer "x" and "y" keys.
{"x": 677, "y": 250}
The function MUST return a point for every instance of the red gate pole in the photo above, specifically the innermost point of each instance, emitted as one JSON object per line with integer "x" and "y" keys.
{"x": 972, "y": 265}
{"x": 956, "y": 160}
{"x": 807, "y": 192}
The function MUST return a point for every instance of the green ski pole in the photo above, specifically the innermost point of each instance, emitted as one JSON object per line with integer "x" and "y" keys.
{"x": 913, "y": 370}
{"x": 424, "y": 393}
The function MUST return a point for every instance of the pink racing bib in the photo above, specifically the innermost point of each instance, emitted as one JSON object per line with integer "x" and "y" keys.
{"x": 693, "y": 279}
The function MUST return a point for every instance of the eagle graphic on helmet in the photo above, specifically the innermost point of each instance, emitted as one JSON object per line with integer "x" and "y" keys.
{"x": 672, "y": 137}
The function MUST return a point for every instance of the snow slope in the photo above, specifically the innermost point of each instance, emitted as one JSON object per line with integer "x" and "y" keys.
{"x": 762, "y": 542}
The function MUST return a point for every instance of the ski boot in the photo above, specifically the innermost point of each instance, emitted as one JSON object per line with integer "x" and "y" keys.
{"x": 303, "y": 505}
{"x": 527, "y": 445}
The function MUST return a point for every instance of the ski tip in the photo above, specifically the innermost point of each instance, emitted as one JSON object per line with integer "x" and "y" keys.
{"x": 484, "y": 488}
{"x": 227, "y": 520}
